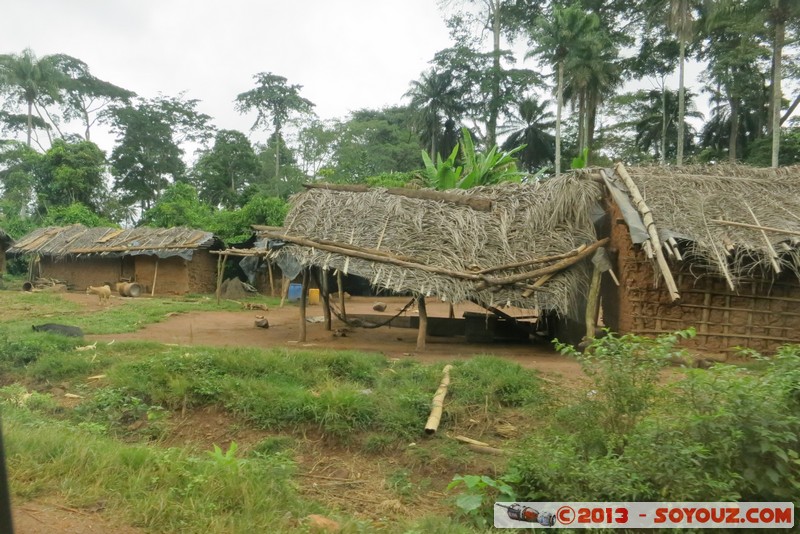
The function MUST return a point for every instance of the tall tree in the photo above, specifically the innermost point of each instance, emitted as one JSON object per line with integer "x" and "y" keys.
{"x": 222, "y": 173}
{"x": 85, "y": 95}
{"x": 17, "y": 164}
{"x": 70, "y": 173}
{"x": 434, "y": 99}
{"x": 556, "y": 38}
{"x": 149, "y": 151}
{"x": 532, "y": 128}
{"x": 275, "y": 101}
{"x": 29, "y": 79}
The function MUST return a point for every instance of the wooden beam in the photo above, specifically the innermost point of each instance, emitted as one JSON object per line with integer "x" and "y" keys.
{"x": 474, "y": 202}
{"x": 303, "y": 300}
{"x": 647, "y": 218}
{"x": 423, "y": 323}
{"x": 340, "y": 286}
{"x": 592, "y": 303}
{"x": 437, "y": 405}
{"x": 757, "y": 227}
{"x": 533, "y": 261}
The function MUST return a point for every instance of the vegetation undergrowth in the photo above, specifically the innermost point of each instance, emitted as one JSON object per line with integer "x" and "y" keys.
{"x": 723, "y": 434}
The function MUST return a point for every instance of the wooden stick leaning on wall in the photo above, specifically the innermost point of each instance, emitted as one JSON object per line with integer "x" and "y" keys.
{"x": 649, "y": 223}
{"x": 155, "y": 277}
{"x": 422, "y": 333}
{"x": 219, "y": 275}
{"x": 340, "y": 286}
{"x": 284, "y": 289}
{"x": 437, "y": 405}
{"x": 303, "y": 300}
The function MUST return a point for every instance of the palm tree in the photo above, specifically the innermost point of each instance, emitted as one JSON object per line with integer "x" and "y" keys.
{"x": 30, "y": 79}
{"x": 531, "y": 127}
{"x": 435, "y": 101}
{"x": 594, "y": 72}
{"x": 651, "y": 109}
{"x": 558, "y": 37}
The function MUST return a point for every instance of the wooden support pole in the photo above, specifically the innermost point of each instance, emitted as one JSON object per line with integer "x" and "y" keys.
{"x": 437, "y": 405}
{"x": 271, "y": 281}
{"x": 756, "y": 227}
{"x": 422, "y": 333}
{"x": 592, "y": 303}
{"x": 649, "y": 223}
{"x": 219, "y": 275}
{"x": 303, "y": 300}
{"x": 340, "y": 286}
{"x": 284, "y": 289}
{"x": 155, "y": 277}
{"x": 326, "y": 297}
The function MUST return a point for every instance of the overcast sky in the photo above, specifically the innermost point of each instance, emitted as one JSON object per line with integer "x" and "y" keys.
{"x": 347, "y": 54}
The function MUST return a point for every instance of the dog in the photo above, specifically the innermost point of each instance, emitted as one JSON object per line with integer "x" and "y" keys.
{"x": 102, "y": 292}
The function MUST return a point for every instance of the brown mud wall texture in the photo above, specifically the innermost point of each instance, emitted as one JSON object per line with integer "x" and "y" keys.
{"x": 79, "y": 273}
{"x": 172, "y": 279}
{"x": 202, "y": 271}
{"x": 759, "y": 314}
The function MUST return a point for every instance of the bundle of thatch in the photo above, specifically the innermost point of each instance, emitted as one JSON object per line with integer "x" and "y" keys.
{"x": 453, "y": 241}
{"x": 737, "y": 221}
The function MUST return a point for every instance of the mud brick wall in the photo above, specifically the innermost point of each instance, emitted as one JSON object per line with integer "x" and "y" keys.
{"x": 81, "y": 272}
{"x": 761, "y": 314}
{"x": 202, "y": 272}
{"x": 173, "y": 274}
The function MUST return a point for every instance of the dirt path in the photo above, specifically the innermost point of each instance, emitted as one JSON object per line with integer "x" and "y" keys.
{"x": 228, "y": 328}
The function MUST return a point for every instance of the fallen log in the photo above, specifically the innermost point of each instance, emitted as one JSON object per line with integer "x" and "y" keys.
{"x": 438, "y": 402}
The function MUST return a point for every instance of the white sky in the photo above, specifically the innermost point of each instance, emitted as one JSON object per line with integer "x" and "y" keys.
{"x": 347, "y": 54}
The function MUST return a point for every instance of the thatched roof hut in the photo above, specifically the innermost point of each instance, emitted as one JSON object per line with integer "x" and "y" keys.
{"x": 75, "y": 240}
{"x": 490, "y": 245}
{"x": 177, "y": 257}
{"x": 714, "y": 247}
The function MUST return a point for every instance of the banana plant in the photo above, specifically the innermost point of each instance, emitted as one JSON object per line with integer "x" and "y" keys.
{"x": 445, "y": 174}
{"x": 494, "y": 167}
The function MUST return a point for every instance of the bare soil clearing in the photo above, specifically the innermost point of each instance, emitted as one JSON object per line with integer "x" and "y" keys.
{"x": 227, "y": 328}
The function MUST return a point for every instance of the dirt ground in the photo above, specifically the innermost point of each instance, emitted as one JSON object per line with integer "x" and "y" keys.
{"x": 341, "y": 478}
{"x": 227, "y": 328}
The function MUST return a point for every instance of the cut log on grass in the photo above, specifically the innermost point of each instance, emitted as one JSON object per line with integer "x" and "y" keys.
{"x": 438, "y": 402}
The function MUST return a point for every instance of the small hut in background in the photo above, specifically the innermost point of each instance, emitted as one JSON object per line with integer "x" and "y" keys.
{"x": 526, "y": 246}
{"x": 161, "y": 260}
{"x": 5, "y": 243}
{"x": 713, "y": 247}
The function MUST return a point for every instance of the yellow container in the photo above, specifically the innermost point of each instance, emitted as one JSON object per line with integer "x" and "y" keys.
{"x": 313, "y": 296}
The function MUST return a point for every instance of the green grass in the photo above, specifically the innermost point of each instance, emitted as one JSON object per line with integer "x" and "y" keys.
{"x": 107, "y": 448}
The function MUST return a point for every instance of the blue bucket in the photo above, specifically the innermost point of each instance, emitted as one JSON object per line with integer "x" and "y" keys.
{"x": 295, "y": 290}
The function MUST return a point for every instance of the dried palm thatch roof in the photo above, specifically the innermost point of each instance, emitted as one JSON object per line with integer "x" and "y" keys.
{"x": 449, "y": 248}
{"x": 60, "y": 241}
{"x": 740, "y": 222}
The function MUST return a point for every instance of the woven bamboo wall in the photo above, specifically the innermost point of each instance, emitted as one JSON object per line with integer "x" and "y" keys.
{"x": 760, "y": 314}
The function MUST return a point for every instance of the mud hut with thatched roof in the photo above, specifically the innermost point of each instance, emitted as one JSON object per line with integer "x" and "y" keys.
{"x": 526, "y": 246}
{"x": 711, "y": 247}
{"x": 5, "y": 243}
{"x": 161, "y": 260}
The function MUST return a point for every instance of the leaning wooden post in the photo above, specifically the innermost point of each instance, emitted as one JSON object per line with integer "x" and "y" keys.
{"x": 592, "y": 301}
{"x": 271, "y": 280}
{"x": 303, "y": 299}
{"x": 284, "y": 289}
{"x": 649, "y": 223}
{"x": 326, "y": 299}
{"x": 423, "y": 323}
{"x": 438, "y": 402}
{"x": 341, "y": 294}
{"x": 155, "y": 277}
{"x": 219, "y": 275}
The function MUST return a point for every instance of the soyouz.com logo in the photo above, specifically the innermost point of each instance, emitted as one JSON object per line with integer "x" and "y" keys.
{"x": 644, "y": 515}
